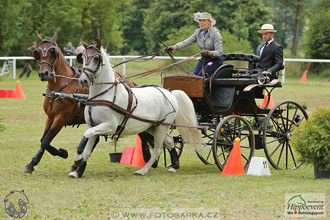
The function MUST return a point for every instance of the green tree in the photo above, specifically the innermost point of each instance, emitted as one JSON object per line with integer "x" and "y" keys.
{"x": 283, "y": 21}
{"x": 241, "y": 18}
{"x": 318, "y": 41}
{"x": 298, "y": 8}
{"x": 164, "y": 18}
{"x": 10, "y": 26}
{"x": 72, "y": 19}
{"x": 100, "y": 17}
{"x": 134, "y": 38}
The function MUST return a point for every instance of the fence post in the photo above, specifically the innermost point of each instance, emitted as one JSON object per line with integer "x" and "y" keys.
{"x": 14, "y": 68}
{"x": 124, "y": 67}
{"x": 283, "y": 73}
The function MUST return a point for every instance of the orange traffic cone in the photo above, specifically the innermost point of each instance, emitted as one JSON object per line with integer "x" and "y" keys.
{"x": 137, "y": 160}
{"x": 127, "y": 155}
{"x": 271, "y": 102}
{"x": 19, "y": 91}
{"x": 234, "y": 163}
{"x": 304, "y": 76}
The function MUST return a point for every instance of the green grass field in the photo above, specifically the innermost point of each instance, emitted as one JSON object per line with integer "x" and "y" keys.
{"x": 108, "y": 186}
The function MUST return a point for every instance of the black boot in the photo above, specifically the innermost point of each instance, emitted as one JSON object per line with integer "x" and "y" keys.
{"x": 174, "y": 159}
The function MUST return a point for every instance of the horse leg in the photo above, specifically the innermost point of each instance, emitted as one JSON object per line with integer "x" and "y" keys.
{"x": 80, "y": 149}
{"x": 45, "y": 143}
{"x": 147, "y": 141}
{"x": 37, "y": 157}
{"x": 159, "y": 135}
{"x": 103, "y": 128}
{"x": 169, "y": 144}
{"x": 82, "y": 157}
{"x": 81, "y": 169}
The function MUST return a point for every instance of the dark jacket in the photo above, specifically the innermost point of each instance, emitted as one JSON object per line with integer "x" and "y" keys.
{"x": 271, "y": 58}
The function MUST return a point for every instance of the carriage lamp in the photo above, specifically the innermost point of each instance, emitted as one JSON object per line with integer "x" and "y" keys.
{"x": 263, "y": 78}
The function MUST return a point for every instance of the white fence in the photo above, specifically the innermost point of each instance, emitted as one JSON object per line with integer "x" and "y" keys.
{"x": 71, "y": 58}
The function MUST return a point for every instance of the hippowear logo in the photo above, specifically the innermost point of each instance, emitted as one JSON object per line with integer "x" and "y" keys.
{"x": 16, "y": 204}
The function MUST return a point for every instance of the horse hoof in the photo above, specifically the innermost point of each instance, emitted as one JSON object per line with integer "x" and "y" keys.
{"x": 28, "y": 170}
{"x": 175, "y": 165}
{"x": 138, "y": 173}
{"x": 72, "y": 168}
{"x": 73, "y": 175}
{"x": 63, "y": 153}
{"x": 171, "y": 170}
{"x": 155, "y": 165}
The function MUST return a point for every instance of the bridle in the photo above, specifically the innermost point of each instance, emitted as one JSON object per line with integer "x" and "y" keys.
{"x": 44, "y": 51}
{"x": 89, "y": 53}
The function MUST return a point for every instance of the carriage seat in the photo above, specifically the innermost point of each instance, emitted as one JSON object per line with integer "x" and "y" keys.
{"x": 251, "y": 58}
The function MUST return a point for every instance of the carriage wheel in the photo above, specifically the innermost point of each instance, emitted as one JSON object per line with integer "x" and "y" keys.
{"x": 228, "y": 129}
{"x": 205, "y": 154}
{"x": 277, "y": 133}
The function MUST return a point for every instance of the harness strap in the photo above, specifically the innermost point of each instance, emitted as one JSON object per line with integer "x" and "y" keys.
{"x": 119, "y": 109}
{"x": 90, "y": 116}
{"x": 121, "y": 127}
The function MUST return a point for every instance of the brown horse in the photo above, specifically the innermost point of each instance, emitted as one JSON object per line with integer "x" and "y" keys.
{"x": 61, "y": 77}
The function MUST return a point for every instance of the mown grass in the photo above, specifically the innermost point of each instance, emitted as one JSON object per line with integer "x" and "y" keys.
{"x": 106, "y": 185}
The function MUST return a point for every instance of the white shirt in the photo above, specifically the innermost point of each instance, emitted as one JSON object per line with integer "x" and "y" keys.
{"x": 264, "y": 46}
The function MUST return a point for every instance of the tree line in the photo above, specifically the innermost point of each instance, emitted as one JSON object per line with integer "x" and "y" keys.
{"x": 301, "y": 24}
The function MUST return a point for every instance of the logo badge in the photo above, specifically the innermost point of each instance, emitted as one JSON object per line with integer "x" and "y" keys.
{"x": 15, "y": 204}
{"x": 305, "y": 205}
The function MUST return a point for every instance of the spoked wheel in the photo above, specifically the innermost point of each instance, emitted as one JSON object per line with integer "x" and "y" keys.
{"x": 205, "y": 154}
{"x": 228, "y": 129}
{"x": 277, "y": 132}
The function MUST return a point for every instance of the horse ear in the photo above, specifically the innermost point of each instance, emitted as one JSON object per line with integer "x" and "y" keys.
{"x": 36, "y": 54}
{"x": 39, "y": 37}
{"x": 79, "y": 58}
{"x": 84, "y": 43}
{"x": 98, "y": 43}
{"x": 54, "y": 37}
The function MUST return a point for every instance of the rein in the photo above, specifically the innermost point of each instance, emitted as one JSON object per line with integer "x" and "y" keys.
{"x": 136, "y": 58}
{"x": 139, "y": 75}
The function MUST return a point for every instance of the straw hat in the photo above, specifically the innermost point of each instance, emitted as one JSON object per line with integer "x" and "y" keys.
{"x": 204, "y": 15}
{"x": 267, "y": 28}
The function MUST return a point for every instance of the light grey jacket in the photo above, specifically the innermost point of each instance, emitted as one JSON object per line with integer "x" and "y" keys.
{"x": 211, "y": 42}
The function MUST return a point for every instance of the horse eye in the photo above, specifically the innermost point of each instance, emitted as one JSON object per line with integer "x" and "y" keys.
{"x": 96, "y": 59}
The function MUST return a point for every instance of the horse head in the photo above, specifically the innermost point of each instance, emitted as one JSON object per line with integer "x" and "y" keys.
{"x": 92, "y": 60}
{"x": 47, "y": 54}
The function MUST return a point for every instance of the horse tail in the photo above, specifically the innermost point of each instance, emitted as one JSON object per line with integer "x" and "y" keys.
{"x": 186, "y": 116}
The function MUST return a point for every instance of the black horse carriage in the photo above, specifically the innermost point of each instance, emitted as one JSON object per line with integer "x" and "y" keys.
{"x": 226, "y": 107}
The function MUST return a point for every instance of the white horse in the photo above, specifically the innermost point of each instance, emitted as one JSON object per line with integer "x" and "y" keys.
{"x": 157, "y": 107}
